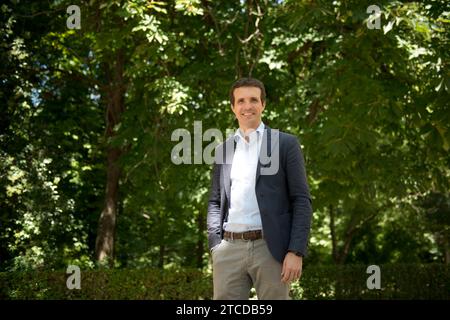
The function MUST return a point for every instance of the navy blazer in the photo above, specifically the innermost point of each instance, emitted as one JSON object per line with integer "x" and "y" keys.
{"x": 283, "y": 196}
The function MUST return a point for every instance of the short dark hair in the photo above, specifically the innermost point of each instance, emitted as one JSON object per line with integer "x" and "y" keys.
{"x": 248, "y": 82}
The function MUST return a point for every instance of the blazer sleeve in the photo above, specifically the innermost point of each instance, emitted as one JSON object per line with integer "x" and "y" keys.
{"x": 299, "y": 197}
{"x": 213, "y": 217}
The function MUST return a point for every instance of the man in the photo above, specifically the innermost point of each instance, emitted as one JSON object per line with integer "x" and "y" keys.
{"x": 259, "y": 211}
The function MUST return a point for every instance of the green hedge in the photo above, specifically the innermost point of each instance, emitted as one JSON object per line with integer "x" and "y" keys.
{"x": 318, "y": 282}
{"x": 133, "y": 284}
{"x": 400, "y": 281}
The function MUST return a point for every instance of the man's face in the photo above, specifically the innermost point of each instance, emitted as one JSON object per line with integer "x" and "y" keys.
{"x": 248, "y": 106}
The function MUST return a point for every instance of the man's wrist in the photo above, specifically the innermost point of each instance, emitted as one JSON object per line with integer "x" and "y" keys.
{"x": 297, "y": 253}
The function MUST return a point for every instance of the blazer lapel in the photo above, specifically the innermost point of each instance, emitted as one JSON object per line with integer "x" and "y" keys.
{"x": 229, "y": 148}
{"x": 267, "y": 146}
{"x": 226, "y": 179}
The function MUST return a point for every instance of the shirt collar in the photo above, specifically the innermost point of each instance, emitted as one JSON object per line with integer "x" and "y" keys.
{"x": 238, "y": 134}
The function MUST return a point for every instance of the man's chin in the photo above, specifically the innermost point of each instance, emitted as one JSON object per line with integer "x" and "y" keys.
{"x": 249, "y": 123}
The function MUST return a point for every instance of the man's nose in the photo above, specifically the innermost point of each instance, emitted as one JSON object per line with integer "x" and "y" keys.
{"x": 247, "y": 105}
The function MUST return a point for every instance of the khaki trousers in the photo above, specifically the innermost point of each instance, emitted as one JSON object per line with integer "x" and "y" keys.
{"x": 240, "y": 264}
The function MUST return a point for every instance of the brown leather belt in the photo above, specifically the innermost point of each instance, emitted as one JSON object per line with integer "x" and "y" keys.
{"x": 248, "y": 235}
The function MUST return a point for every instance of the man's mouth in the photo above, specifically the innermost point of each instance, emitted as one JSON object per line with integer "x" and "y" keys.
{"x": 248, "y": 114}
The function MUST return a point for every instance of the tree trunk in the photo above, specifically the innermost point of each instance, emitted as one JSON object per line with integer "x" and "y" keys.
{"x": 447, "y": 256}
{"x": 115, "y": 93}
{"x": 339, "y": 254}
{"x": 443, "y": 242}
{"x": 346, "y": 249}
{"x": 333, "y": 234}
{"x": 162, "y": 252}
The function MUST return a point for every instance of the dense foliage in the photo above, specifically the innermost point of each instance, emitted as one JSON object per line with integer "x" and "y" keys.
{"x": 87, "y": 116}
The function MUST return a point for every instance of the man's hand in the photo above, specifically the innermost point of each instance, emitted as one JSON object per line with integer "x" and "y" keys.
{"x": 292, "y": 267}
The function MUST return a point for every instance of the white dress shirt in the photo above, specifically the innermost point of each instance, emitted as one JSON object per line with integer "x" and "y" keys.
{"x": 244, "y": 214}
